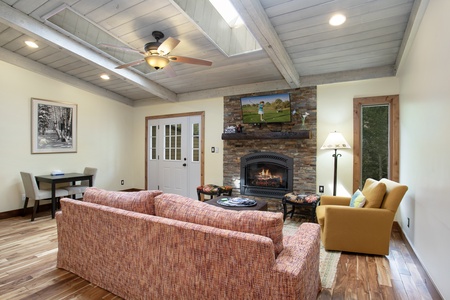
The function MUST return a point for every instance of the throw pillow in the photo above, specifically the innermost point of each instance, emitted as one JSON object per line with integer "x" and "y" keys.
{"x": 185, "y": 209}
{"x": 374, "y": 192}
{"x": 358, "y": 199}
{"x": 141, "y": 202}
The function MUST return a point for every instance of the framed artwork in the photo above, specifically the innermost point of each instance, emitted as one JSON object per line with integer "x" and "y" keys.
{"x": 53, "y": 126}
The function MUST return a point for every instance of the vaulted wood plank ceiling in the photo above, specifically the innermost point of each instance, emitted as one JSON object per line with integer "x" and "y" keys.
{"x": 299, "y": 47}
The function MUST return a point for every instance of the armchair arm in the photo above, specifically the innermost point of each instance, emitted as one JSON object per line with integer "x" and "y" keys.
{"x": 335, "y": 200}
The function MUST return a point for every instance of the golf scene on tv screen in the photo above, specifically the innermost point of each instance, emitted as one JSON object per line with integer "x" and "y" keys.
{"x": 266, "y": 109}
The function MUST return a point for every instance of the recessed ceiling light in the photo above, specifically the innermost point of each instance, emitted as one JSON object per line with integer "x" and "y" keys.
{"x": 337, "y": 19}
{"x": 104, "y": 76}
{"x": 31, "y": 44}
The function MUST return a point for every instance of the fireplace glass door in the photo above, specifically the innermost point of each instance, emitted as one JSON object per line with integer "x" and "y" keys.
{"x": 266, "y": 175}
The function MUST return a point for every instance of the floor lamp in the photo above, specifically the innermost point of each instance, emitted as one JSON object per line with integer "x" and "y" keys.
{"x": 335, "y": 140}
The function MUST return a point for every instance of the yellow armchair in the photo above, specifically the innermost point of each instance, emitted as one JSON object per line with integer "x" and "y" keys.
{"x": 362, "y": 230}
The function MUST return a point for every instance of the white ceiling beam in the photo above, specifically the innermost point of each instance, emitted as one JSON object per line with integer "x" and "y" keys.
{"x": 33, "y": 66}
{"x": 255, "y": 17}
{"x": 276, "y": 85}
{"x": 39, "y": 31}
{"x": 259, "y": 87}
{"x": 415, "y": 18}
{"x": 343, "y": 76}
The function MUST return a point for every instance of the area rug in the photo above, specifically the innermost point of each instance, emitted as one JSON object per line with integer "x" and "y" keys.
{"x": 328, "y": 259}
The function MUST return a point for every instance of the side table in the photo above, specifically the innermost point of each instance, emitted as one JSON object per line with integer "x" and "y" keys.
{"x": 305, "y": 202}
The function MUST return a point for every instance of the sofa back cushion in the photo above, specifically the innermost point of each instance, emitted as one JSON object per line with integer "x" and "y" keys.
{"x": 185, "y": 209}
{"x": 374, "y": 192}
{"x": 142, "y": 201}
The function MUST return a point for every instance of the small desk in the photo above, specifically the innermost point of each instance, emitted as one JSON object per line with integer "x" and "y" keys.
{"x": 54, "y": 179}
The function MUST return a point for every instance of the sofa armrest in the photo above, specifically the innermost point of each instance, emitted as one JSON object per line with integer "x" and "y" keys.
{"x": 297, "y": 266}
{"x": 335, "y": 200}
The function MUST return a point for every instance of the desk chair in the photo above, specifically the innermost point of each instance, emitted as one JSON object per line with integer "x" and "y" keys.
{"x": 73, "y": 190}
{"x": 33, "y": 192}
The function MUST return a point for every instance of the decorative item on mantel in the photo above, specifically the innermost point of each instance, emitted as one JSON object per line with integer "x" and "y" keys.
{"x": 239, "y": 128}
{"x": 304, "y": 115}
{"x": 301, "y": 126}
{"x": 230, "y": 129}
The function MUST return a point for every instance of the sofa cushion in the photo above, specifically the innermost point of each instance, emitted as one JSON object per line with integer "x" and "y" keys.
{"x": 358, "y": 199}
{"x": 142, "y": 201}
{"x": 374, "y": 192}
{"x": 185, "y": 209}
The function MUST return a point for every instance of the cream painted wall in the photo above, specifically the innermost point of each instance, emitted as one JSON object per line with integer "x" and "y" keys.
{"x": 104, "y": 137}
{"x": 335, "y": 113}
{"x": 425, "y": 163}
{"x": 213, "y": 109}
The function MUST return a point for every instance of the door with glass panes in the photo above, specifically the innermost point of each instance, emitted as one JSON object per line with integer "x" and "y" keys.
{"x": 173, "y": 155}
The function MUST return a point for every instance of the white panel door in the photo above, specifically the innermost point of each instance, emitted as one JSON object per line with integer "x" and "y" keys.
{"x": 174, "y": 155}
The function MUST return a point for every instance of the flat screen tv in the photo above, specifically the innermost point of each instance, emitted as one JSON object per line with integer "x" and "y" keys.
{"x": 266, "y": 109}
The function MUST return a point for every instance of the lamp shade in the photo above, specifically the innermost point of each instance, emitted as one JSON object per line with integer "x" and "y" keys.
{"x": 335, "y": 140}
{"x": 156, "y": 61}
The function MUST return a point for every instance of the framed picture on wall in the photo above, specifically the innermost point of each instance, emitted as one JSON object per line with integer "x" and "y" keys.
{"x": 53, "y": 126}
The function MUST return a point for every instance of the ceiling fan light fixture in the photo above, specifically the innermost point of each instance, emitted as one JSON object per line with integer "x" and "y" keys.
{"x": 157, "y": 62}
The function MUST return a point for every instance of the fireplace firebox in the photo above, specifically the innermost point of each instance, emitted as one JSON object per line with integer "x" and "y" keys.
{"x": 266, "y": 174}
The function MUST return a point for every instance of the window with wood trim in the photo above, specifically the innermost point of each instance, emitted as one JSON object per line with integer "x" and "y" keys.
{"x": 376, "y": 139}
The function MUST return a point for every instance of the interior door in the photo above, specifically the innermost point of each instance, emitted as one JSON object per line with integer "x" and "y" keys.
{"x": 173, "y": 155}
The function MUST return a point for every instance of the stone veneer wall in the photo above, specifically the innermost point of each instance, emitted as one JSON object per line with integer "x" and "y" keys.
{"x": 303, "y": 151}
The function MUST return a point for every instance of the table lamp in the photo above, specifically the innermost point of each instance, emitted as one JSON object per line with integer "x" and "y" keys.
{"x": 335, "y": 140}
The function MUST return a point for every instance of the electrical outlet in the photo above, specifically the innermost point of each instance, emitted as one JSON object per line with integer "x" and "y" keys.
{"x": 122, "y": 182}
{"x": 321, "y": 189}
{"x": 214, "y": 149}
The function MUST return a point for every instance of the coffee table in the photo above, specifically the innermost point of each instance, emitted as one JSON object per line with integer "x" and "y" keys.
{"x": 261, "y": 205}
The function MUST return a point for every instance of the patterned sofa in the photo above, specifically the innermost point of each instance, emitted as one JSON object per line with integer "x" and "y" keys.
{"x": 150, "y": 245}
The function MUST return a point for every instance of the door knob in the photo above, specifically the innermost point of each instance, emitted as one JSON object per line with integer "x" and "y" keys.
{"x": 184, "y": 165}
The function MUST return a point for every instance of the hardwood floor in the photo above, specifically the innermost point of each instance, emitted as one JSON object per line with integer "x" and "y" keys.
{"x": 28, "y": 269}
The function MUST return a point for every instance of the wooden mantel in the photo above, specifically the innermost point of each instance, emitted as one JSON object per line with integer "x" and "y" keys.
{"x": 302, "y": 134}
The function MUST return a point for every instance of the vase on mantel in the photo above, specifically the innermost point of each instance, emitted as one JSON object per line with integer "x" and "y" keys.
{"x": 298, "y": 127}
{"x": 303, "y": 124}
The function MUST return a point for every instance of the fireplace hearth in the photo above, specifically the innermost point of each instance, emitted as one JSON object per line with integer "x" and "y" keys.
{"x": 266, "y": 174}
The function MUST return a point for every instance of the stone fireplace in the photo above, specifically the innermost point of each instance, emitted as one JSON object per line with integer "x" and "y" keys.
{"x": 266, "y": 174}
{"x": 288, "y": 139}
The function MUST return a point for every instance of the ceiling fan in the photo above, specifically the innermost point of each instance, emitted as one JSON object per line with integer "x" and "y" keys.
{"x": 156, "y": 54}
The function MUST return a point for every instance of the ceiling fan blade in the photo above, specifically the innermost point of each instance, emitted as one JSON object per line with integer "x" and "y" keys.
{"x": 120, "y": 48}
{"x": 130, "y": 64}
{"x": 168, "y": 46}
{"x": 169, "y": 71}
{"x": 190, "y": 60}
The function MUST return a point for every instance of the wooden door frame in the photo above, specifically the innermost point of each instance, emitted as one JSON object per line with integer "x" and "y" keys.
{"x": 202, "y": 139}
{"x": 394, "y": 141}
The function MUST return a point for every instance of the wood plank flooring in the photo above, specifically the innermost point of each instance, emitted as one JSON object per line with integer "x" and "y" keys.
{"x": 28, "y": 269}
